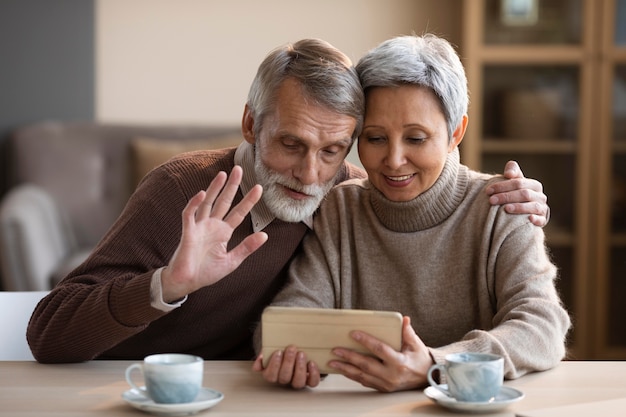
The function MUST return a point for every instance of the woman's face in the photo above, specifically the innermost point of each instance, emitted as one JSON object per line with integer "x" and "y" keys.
{"x": 404, "y": 144}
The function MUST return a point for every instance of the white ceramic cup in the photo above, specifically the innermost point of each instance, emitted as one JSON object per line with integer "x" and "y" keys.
{"x": 471, "y": 377}
{"x": 170, "y": 378}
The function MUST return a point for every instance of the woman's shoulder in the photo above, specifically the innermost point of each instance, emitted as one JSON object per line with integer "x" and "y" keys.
{"x": 479, "y": 181}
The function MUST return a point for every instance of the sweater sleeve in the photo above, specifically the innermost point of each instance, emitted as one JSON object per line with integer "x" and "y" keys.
{"x": 107, "y": 298}
{"x": 529, "y": 325}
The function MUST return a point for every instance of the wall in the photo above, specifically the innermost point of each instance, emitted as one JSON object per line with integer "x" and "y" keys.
{"x": 193, "y": 60}
{"x": 47, "y": 70}
{"x": 173, "y": 61}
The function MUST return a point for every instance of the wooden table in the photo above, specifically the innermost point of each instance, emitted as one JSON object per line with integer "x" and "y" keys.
{"x": 95, "y": 389}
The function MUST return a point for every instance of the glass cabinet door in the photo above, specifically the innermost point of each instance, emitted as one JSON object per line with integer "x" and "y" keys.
{"x": 615, "y": 289}
{"x": 531, "y": 94}
{"x": 536, "y": 22}
{"x": 530, "y": 91}
{"x": 531, "y": 114}
{"x": 547, "y": 83}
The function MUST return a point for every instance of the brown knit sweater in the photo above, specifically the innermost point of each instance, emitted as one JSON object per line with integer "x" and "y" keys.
{"x": 102, "y": 309}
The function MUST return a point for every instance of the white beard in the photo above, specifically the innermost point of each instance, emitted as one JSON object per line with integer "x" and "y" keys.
{"x": 281, "y": 205}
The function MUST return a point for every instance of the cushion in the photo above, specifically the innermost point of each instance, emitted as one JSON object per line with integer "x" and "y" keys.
{"x": 149, "y": 153}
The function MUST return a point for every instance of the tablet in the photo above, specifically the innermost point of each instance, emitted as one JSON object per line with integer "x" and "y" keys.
{"x": 316, "y": 331}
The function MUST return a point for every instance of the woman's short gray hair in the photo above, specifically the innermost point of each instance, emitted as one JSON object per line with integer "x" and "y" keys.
{"x": 428, "y": 61}
{"x": 326, "y": 75}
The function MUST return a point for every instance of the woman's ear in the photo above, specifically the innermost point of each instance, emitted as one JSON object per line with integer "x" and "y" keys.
{"x": 247, "y": 125}
{"x": 459, "y": 133}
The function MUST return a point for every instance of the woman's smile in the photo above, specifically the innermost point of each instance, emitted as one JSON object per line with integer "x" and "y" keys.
{"x": 399, "y": 180}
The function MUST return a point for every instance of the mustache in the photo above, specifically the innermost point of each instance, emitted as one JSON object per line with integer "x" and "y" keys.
{"x": 313, "y": 190}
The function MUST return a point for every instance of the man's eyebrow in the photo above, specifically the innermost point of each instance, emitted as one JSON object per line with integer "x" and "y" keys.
{"x": 339, "y": 142}
{"x": 345, "y": 141}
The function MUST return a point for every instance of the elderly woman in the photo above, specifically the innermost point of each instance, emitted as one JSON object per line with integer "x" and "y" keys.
{"x": 419, "y": 237}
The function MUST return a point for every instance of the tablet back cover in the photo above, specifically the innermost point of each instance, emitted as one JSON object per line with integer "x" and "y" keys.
{"x": 316, "y": 331}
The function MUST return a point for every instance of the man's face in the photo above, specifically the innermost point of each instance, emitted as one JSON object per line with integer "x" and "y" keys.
{"x": 299, "y": 152}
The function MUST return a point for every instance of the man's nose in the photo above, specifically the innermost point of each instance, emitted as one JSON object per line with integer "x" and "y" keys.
{"x": 307, "y": 172}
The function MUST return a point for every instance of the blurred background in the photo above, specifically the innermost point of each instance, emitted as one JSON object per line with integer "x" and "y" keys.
{"x": 166, "y": 61}
{"x": 547, "y": 81}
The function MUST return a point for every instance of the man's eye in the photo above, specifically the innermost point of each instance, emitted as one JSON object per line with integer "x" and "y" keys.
{"x": 291, "y": 145}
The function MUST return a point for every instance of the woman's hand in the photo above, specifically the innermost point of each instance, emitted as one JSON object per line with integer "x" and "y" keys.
{"x": 202, "y": 257}
{"x": 388, "y": 370}
{"x": 290, "y": 368}
{"x": 520, "y": 195}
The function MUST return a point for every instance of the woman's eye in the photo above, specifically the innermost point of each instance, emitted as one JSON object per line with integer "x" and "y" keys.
{"x": 375, "y": 139}
{"x": 416, "y": 140}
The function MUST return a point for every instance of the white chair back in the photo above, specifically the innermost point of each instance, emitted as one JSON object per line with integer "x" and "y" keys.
{"x": 16, "y": 307}
{"x": 34, "y": 240}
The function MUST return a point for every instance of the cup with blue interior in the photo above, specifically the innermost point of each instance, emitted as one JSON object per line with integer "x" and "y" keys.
{"x": 170, "y": 378}
{"x": 470, "y": 377}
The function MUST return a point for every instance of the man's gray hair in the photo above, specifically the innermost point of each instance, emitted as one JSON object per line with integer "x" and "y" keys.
{"x": 326, "y": 75}
{"x": 428, "y": 61}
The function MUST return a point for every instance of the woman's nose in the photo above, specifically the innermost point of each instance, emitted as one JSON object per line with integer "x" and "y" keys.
{"x": 395, "y": 156}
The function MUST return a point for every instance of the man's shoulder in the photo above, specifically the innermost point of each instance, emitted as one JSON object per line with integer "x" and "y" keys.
{"x": 350, "y": 171}
{"x": 191, "y": 170}
{"x": 206, "y": 158}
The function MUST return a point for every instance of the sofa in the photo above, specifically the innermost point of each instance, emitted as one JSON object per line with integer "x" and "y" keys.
{"x": 69, "y": 181}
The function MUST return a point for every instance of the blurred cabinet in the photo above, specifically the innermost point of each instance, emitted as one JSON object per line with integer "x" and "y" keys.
{"x": 547, "y": 83}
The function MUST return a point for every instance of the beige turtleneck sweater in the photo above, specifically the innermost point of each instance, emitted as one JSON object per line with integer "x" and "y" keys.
{"x": 470, "y": 276}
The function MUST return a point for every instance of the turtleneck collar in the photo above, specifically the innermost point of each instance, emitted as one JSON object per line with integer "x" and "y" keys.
{"x": 429, "y": 208}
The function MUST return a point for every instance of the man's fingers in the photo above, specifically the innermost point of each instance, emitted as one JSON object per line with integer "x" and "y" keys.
{"x": 526, "y": 208}
{"x": 513, "y": 170}
{"x": 540, "y": 221}
{"x": 211, "y": 194}
{"x": 224, "y": 200}
{"x": 250, "y": 244}
{"x": 189, "y": 212}
{"x": 241, "y": 210}
{"x": 220, "y": 195}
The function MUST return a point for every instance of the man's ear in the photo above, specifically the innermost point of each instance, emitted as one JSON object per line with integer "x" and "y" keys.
{"x": 247, "y": 125}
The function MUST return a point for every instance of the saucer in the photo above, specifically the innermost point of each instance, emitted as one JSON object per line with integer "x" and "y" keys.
{"x": 505, "y": 397}
{"x": 207, "y": 398}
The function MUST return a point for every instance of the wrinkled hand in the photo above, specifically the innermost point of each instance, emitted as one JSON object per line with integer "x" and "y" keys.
{"x": 289, "y": 368}
{"x": 389, "y": 370}
{"x": 520, "y": 195}
{"x": 202, "y": 257}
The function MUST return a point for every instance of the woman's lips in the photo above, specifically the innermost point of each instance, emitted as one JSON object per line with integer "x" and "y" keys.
{"x": 398, "y": 180}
